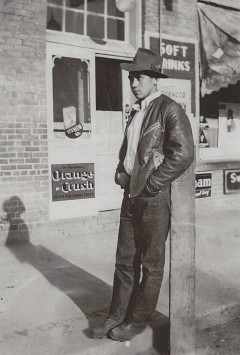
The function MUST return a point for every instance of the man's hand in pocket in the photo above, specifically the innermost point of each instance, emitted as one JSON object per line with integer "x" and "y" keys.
{"x": 122, "y": 179}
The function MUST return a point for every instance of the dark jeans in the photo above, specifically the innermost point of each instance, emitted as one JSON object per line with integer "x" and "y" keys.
{"x": 140, "y": 256}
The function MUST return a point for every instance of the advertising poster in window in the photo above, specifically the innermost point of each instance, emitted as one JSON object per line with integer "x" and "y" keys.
{"x": 72, "y": 181}
{"x": 231, "y": 181}
{"x": 203, "y": 185}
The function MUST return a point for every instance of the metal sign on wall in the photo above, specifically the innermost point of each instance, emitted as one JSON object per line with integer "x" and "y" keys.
{"x": 73, "y": 181}
{"x": 178, "y": 61}
{"x": 203, "y": 185}
{"x": 231, "y": 181}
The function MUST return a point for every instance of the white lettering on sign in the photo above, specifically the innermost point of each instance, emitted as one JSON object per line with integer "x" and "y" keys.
{"x": 172, "y": 64}
{"x": 205, "y": 192}
{"x": 66, "y": 187}
{"x": 175, "y": 94}
{"x": 184, "y": 106}
{"x": 203, "y": 183}
{"x": 58, "y": 175}
{"x": 234, "y": 178}
{"x": 173, "y": 49}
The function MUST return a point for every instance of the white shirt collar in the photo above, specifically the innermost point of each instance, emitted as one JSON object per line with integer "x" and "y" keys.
{"x": 144, "y": 103}
{"x": 148, "y": 99}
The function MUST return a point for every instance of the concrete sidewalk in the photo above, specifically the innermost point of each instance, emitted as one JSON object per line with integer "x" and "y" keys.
{"x": 54, "y": 290}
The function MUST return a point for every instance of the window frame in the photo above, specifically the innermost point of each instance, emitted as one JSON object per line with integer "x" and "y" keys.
{"x": 64, "y": 8}
{"x": 71, "y": 52}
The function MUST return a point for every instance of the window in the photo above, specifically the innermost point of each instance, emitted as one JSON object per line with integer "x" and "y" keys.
{"x": 71, "y": 101}
{"x": 108, "y": 85}
{"x": 99, "y": 19}
{"x": 219, "y": 120}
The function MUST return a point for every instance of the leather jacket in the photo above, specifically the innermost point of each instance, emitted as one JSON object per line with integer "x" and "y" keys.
{"x": 166, "y": 129}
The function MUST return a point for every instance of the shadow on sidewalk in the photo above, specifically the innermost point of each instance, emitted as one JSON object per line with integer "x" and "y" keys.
{"x": 89, "y": 293}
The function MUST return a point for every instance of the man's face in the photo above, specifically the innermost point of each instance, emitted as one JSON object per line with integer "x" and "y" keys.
{"x": 142, "y": 85}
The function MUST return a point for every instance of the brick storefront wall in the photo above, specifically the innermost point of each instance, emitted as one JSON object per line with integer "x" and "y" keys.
{"x": 181, "y": 21}
{"x": 23, "y": 123}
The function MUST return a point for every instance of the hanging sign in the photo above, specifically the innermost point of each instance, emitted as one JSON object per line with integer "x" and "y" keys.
{"x": 203, "y": 185}
{"x": 73, "y": 129}
{"x": 231, "y": 181}
{"x": 73, "y": 181}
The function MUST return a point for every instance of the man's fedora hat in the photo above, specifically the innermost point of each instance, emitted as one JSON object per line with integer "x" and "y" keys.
{"x": 145, "y": 60}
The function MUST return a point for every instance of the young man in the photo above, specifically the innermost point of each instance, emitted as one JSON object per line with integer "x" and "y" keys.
{"x": 157, "y": 148}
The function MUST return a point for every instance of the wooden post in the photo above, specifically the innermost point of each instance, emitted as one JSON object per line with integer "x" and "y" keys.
{"x": 182, "y": 265}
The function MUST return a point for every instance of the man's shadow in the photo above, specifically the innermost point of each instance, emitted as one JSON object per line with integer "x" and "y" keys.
{"x": 89, "y": 293}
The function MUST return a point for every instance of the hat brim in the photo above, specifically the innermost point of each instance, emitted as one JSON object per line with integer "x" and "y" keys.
{"x": 134, "y": 67}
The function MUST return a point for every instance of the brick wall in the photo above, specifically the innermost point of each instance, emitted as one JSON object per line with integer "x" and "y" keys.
{"x": 23, "y": 119}
{"x": 181, "y": 21}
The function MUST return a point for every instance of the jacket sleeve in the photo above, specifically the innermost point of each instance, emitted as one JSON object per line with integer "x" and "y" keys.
{"x": 119, "y": 169}
{"x": 178, "y": 148}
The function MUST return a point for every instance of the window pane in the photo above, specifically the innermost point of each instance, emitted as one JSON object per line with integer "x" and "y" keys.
{"x": 95, "y": 6}
{"x": 76, "y": 4}
{"x": 108, "y": 85}
{"x": 74, "y": 22}
{"x": 112, "y": 9}
{"x": 71, "y": 105}
{"x": 115, "y": 29}
{"x": 54, "y": 19}
{"x": 95, "y": 26}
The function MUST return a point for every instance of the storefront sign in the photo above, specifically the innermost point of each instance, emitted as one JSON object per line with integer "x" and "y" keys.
{"x": 74, "y": 131}
{"x": 73, "y": 181}
{"x": 178, "y": 61}
{"x": 178, "y": 90}
{"x": 203, "y": 185}
{"x": 231, "y": 181}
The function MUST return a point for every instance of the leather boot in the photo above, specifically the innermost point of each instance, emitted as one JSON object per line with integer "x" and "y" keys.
{"x": 102, "y": 330}
{"x": 125, "y": 331}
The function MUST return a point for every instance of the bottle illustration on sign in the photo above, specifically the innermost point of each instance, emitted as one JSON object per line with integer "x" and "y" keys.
{"x": 203, "y": 122}
{"x": 203, "y": 143}
{"x": 229, "y": 120}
